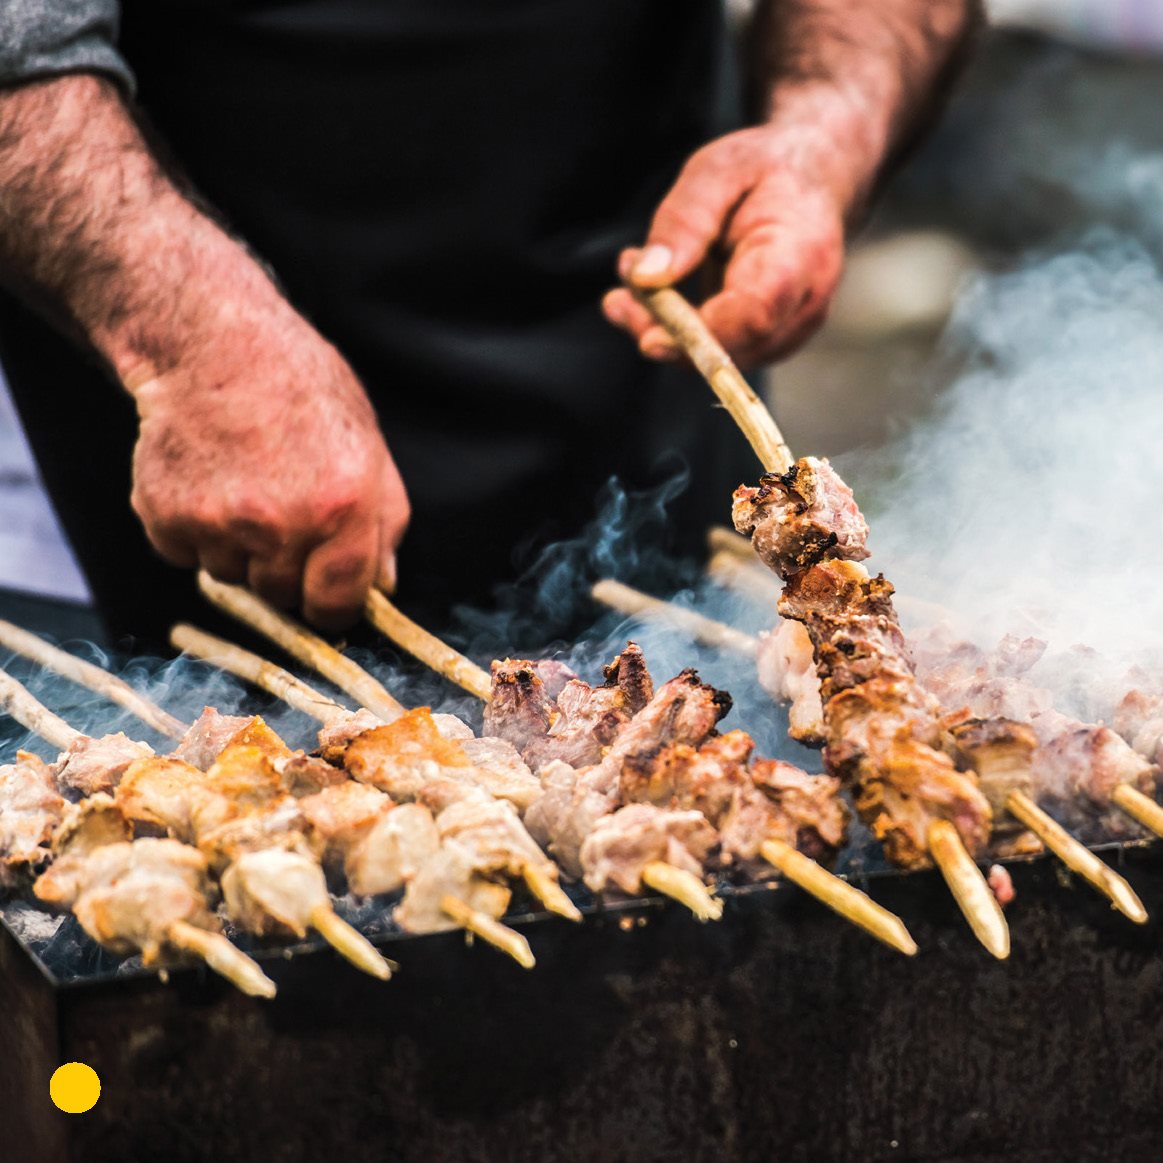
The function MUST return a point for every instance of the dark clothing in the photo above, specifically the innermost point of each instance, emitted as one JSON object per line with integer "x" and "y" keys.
{"x": 442, "y": 189}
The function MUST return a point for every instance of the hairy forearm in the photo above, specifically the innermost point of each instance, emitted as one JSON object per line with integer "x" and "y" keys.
{"x": 91, "y": 225}
{"x": 872, "y": 72}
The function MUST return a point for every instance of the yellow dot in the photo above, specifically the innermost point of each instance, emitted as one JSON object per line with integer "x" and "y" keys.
{"x": 75, "y": 1087}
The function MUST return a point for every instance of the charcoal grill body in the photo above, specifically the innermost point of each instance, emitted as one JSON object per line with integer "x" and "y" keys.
{"x": 778, "y": 1034}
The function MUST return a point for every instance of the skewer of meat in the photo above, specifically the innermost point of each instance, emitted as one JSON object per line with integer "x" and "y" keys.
{"x": 518, "y": 695}
{"x": 150, "y": 896}
{"x": 89, "y": 766}
{"x": 882, "y": 732}
{"x": 404, "y": 758}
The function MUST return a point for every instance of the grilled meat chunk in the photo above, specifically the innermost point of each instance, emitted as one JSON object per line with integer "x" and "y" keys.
{"x": 800, "y": 517}
{"x": 30, "y": 810}
{"x": 624, "y": 842}
{"x": 92, "y": 765}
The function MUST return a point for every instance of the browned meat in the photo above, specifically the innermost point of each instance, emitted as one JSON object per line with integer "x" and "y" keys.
{"x": 622, "y": 843}
{"x": 811, "y": 804}
{"x": 30, "y": 810}
{"x": 1076, "y": 772}
{"x": 554, "y": 674}
{"x": 304, "y": 775}
{"x": 801, "y": 517}
{"x": 336, "y": 734}
{"x": 629, "y": 673}
{"x": 341, "y": 815}
{"x": 519, "y": 708}
{"x": 1139, "y": 720}
{"x": 207, "y": 736}
{"x": 97, "y": 765}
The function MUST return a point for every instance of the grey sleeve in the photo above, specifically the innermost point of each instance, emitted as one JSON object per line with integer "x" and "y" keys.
{"x": 45, "y": 38}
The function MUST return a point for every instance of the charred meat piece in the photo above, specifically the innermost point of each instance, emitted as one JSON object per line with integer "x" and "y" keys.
{"x": 800, "y": 517}
{"x": 519, "y": 707}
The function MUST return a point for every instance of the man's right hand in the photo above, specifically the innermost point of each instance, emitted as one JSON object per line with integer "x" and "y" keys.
{"x": 260, "y": 460}
{"x": 259, "y": 456}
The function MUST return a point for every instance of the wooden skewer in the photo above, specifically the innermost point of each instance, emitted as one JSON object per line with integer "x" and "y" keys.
{"x": 549, "y": 892}
{"x": 499, "y": 936}
{"x": 1139, "y": 807}
{"x": 839, "y": 895}
{"x": 720, "y": 539}
{"x": 687, "y": 328}
{"x": 684, "y": 887}
{"x": 222, "y": 957}
{"x": 1077, "y": 857}
{"x": 969, "y": 887}
{"x": 634, "y": 603}
{"x": 253, "y": 668}
{"x": 349, "y": 942}
{"x": 436, "y": 655}
{"x": 28, "y": 711}
{"x": 300, "y": 643}
{"x": 85, "y": 674}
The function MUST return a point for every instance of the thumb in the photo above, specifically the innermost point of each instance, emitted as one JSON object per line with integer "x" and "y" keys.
{"x": 688, "y": 222}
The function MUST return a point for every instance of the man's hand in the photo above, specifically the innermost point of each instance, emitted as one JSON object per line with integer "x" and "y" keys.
{"x": 754, "y": 196}
{"x": 260, "y": 460}
{"x": 259, "y": 456}
{"x": 843, "y": 86}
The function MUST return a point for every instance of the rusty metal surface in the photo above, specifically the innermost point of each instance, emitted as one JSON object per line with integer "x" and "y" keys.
{"x": 779, "y": 1033}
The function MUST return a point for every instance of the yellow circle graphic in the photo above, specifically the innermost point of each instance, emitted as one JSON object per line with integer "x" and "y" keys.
{"x": 75, "y": 1087}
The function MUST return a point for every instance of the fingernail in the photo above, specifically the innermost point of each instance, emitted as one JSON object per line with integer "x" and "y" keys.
{"x": 387, "y": 578}
{"x": 654, "y": 261}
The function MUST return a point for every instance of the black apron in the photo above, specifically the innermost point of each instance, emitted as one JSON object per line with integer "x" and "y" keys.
{"x": 442, "y": 188}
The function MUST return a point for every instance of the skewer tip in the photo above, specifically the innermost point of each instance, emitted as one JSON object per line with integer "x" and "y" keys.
{"x": 489, "y": 929}
{"x": 350, "y": 943}
{"x": 684, "y": 887}
{"x": 970, "y": 889}
{"x": 843, "y": 898}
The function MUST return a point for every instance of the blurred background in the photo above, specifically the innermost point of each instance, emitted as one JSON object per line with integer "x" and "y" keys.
{"x": 1055, "y": 127}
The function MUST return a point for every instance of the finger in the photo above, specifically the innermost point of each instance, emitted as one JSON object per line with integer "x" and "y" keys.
{"x": 278, "y": 578}
{"x": 689, "y": 220}
{"x": 223, "y": 560}
{"x": 623, "y": 310}
{"x": 338, "y": 575}
{"x": 395, "y": 513}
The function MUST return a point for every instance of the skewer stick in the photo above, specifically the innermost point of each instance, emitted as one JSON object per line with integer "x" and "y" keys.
{"x": 1139, "y": 807}
{"x": 1077, "y": 857}
{"x": 222, "y": 957}
{"x": 19, "y": 703}
{"x": 969, "y": 888}
{"x": 436, "y": 655}
{"x": 839, "y": 895}
{"x": 720, "y": 539}
{"x": 85, "y": 674}
{"x": 686, "y": 327}
{"x": 300, "y": 643}
{"x": 349, "y": 942}
{"x": 255, "y": 669}
{"x": 549, "y": 892}
{"x": 634, "y": 603}
{"x": 499, "y": 936}
{"x": 684, "y": 887}
{"x": 688, "y": 330}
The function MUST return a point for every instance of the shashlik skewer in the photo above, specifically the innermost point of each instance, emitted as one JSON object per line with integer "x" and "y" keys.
{"x": 799, "y": 679}
{"x": 96, "y": 765}
{"x": 86, "y": 674}
{"x": 511, "y": 688}
{"x": 379, "y": 849}
{"x": 128, "y": 899}
{"x": 874, "y": 745}
{"x": 536, "y": 873}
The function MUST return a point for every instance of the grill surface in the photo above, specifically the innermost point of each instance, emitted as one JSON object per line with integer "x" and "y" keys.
{"x": 779, "y": 1033}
